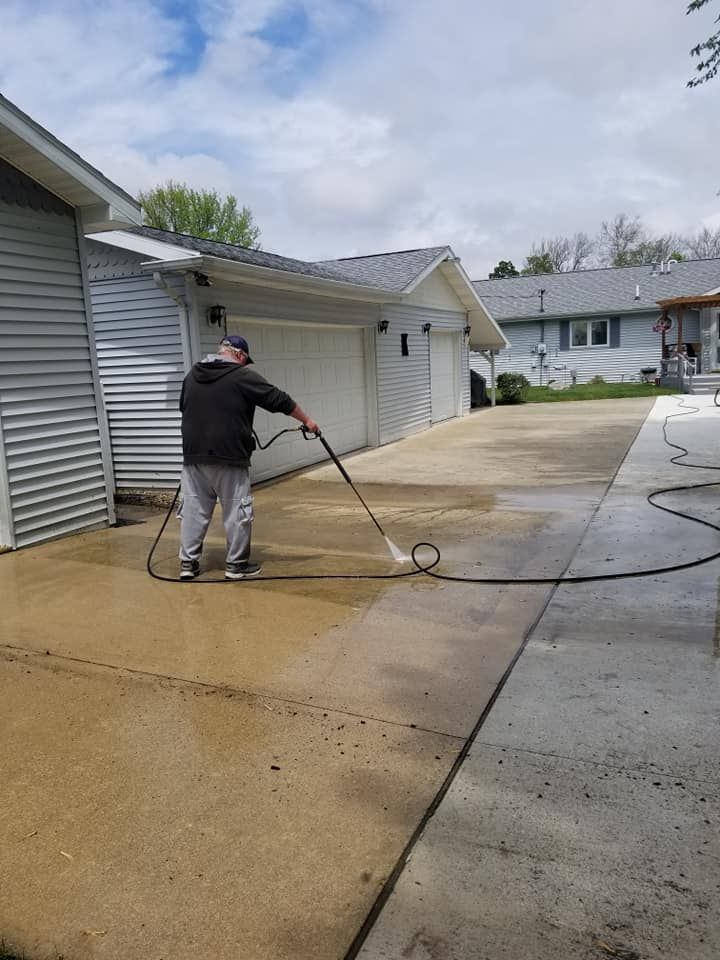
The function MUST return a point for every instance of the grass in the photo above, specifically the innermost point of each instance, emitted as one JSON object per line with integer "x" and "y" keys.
{"x": 597, "y": 391}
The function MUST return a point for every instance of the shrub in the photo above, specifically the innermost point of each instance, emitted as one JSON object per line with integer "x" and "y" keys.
{"x": 597, "y": 379}
{"x": 513, "y": 387}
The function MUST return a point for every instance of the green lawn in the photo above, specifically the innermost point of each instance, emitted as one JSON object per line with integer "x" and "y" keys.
{"x": 596, "y": 391}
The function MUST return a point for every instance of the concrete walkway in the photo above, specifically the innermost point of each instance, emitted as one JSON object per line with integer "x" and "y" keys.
{"x": 584, "y": 822}
{"x": 232, "y": 771}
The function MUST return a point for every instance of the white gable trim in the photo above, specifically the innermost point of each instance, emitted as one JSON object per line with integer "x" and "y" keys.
{"x": 41, "y": 156}
{"x": 157, "y": 249}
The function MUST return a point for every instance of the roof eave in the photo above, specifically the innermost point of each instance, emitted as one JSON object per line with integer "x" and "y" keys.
{"x": 28, "y": 147}
{"x": 238, "y": 272}
{"x": 485, "y": 332}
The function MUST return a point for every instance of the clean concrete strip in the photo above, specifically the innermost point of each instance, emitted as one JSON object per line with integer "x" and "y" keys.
{"x": 583, "y": 823}
{"x": 356, "y": 948}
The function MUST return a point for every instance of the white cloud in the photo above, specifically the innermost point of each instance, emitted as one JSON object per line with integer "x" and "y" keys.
{"x": 389, "y": 124}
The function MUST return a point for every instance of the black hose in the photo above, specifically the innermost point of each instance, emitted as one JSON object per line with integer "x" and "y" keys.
{"x": 428, "y": 569}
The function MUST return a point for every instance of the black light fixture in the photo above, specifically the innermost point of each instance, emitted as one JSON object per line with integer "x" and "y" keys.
{"x": 466, "y": 330}
{"x": 426, "y": 327}
{"x": 382, "y": 326}
{"x": 217, "y": 316}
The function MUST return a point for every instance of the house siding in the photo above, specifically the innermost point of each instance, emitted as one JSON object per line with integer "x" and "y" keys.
{"x": 403, "y": 383}
{"x": 639, "y": 346}
{"x": 53, "y": 472}
{"x": 141, "y": 365}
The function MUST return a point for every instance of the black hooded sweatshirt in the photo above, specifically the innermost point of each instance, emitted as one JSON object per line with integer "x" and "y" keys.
{"x": 218, "y": 401}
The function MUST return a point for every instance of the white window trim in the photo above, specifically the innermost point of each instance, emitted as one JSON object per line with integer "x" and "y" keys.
{"x": 588, "y": 328}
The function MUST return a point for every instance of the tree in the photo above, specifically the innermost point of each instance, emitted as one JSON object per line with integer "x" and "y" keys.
{"x": 505, "y": 268}
{"x": 581, "y": 250}
{"x": 200, "y": 213}
{"x": 705, "y": 244}
{"x": 559, "y": 254}
{"x": 537, "y": 263}
{"x": 708, "y": 53}
{"x": 619, "y": 238}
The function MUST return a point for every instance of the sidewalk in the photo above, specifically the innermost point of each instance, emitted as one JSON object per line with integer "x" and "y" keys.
{"x": 584, "y": 822}
{"x": 231, "y": 772}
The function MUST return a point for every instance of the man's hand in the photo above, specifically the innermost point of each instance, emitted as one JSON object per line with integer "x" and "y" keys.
{"x": 312, "y": 426}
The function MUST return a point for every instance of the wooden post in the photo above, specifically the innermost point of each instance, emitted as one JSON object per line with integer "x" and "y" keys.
{"x": 492, "y": 378}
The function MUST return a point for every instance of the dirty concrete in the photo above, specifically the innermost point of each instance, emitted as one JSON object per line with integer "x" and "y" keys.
{"x": 156, "y": 711}
{"x": 585, "y": 818}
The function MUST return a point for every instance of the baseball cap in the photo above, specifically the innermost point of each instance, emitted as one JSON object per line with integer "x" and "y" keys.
{"x": 237, "y": 343}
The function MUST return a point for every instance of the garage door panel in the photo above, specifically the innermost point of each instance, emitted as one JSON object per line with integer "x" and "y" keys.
{"x": 324, "y": 371}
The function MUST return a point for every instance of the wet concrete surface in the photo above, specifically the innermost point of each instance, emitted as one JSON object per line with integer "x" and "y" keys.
{"x": 584, "y": 821}
{"x": 119, "y": 688}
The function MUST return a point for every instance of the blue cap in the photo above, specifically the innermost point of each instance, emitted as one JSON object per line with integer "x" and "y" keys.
{"x": 237, "y": 343}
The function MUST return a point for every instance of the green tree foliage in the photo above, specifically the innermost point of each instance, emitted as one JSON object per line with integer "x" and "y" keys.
{"x": 537, "y": 263}
{"x": 707, "y": 53}
{"x": 505, "y": 268}
{"x": 199, "y": 213}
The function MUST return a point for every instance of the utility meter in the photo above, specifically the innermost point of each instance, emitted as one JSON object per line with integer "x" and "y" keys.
{"x": 541, "y": 348}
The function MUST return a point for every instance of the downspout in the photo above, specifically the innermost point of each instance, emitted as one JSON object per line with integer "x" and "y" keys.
{"x": 185, "y": 336}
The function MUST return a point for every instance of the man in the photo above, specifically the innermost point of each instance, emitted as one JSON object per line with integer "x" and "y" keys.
{"x": 218, "y": 401}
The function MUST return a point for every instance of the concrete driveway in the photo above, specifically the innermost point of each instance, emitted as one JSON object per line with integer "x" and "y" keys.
{"x": 232, "y": 770}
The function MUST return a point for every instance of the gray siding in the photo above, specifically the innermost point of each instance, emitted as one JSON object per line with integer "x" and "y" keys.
{"x": 639, "y": 347}
{"x": 52, "y": 462}
{"x": 140, "y": 360}
{"x": 403, "y": 383}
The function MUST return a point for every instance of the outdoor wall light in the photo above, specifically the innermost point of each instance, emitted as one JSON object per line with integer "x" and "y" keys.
{"x": 217, "y": 316}
{"x": 383, "y": 326}
{"x": 466, "y": 332}
{"x": 426, "y": 327}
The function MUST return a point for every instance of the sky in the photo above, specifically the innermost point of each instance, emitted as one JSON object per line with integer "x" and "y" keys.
{"x": 352, "y": 127}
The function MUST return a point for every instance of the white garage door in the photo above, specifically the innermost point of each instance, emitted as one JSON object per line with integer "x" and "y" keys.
{"x": 443, "y": 375}
{"x": 323, "y": 370}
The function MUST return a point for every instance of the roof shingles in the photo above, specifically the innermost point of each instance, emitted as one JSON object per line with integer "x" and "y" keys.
{"x": 386, "y": 271}
{"x": 610, "y": 290}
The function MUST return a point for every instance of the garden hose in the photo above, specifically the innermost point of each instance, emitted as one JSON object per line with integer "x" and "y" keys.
{"x": 429, "y": 568}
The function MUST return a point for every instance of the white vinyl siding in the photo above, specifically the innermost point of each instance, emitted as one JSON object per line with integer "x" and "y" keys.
{"x": 54, "y": 479}
{"x": 140, "y": 360}
{"x": 404, "y": 386}
{"x": 639, "y": 347}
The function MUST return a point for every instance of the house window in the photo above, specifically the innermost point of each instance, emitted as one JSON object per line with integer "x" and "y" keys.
{"x": 589, "y": 333}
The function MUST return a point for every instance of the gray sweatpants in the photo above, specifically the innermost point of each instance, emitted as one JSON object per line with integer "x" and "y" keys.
{"x": 202, "y": 485}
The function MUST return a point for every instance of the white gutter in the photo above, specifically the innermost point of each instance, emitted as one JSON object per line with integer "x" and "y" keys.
{"x": 236, "y": 271}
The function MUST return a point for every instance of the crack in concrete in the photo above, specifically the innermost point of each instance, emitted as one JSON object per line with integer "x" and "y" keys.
{"x": 595, "y": 763}
{"x": 227, "y": 688}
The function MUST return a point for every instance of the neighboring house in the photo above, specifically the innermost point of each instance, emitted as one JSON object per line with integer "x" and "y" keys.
{"x": 374, "y": 348}
{"x": 599, "y": 322}
{"x": 55, "y": 469}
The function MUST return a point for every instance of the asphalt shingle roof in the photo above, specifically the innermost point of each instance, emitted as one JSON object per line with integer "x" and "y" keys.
{"x": 228, "y": 251}
{"x": 610, "y": 290}
{"x": 383, "y": 271}
{"x": 388, "y": 271}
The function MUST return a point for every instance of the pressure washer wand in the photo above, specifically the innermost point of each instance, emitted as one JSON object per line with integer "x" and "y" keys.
{"x": 392, "y": 547}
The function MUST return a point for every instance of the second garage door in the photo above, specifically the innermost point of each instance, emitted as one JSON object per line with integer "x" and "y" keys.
{"x": 323, "y": 369}
{"x": 443, "y": 375}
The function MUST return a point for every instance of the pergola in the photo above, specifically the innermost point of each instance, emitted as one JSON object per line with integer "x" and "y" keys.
{"x": 679, "y": 305}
